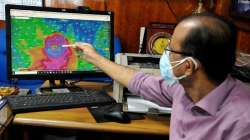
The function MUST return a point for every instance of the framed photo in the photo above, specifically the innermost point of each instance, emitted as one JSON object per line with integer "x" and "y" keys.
{"x": 158, "y": 37}
{"x": 241, "y": 8}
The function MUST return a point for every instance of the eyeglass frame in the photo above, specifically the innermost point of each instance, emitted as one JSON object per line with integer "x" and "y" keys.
{"x": 167, "y": 48}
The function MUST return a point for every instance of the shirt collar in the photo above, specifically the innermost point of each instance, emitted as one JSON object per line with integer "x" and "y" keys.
{"x": 211, "y": 103}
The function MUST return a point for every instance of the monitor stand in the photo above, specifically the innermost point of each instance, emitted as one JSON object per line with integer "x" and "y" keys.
{"x": 59, "y": 87}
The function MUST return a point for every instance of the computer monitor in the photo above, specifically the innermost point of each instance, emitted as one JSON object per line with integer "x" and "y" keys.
{"x": 35, "y": 36}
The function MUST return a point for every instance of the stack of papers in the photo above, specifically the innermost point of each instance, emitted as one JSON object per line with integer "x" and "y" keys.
{"x": 5, "y": 113}
{"x": 139, "y": 105}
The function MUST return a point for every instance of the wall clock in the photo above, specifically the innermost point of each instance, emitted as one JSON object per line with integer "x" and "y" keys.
{"x": 158, "y": 37}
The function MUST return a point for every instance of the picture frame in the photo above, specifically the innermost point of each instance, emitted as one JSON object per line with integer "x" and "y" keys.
{"x": 241, "y": 9}
{"x": 158, "y": 36}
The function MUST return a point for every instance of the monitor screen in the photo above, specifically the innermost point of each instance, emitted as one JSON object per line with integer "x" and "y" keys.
{"x": 36, "y": 35}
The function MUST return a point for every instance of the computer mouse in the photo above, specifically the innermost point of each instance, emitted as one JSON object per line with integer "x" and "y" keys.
{"x": 118, "y": 116}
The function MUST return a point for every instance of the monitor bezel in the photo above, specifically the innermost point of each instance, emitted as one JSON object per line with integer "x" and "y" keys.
{"x": 86, "y": 74}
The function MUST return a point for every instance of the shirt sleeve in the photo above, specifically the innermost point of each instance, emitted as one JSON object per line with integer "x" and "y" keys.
{"x": 153, "y": 88}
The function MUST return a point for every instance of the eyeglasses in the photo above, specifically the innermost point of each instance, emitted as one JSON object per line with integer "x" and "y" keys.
{"x": 168, "y": 48}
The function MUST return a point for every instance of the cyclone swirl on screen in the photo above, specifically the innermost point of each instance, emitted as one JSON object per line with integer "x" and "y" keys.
{"x": 37, "y": 43}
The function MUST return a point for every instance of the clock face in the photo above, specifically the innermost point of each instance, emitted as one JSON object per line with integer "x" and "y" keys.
{"x": 158, "y": 42}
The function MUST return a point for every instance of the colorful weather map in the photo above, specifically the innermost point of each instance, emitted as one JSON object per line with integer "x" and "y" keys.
{"x": 37, "y": 43}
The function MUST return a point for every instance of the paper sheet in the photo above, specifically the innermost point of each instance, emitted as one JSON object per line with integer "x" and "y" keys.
{"x": 17, "y": 2}
{"x": 140, "y": 105}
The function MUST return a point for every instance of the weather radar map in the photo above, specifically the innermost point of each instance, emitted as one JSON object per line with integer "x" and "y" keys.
{"x": 37, "y": 43}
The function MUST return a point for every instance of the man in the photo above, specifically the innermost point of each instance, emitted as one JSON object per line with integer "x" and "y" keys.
{"x": 207, "y": 103}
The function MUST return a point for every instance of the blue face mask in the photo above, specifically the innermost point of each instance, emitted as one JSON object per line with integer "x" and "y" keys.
{"x": 167, "y": 69}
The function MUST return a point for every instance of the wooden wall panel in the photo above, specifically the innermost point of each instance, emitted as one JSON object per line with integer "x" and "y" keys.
{"x": 2, "y": 24}
{"x": 96, "y": 4}
{"x": 223, "y": 8}
{"x": 130, "y": 15}
{"x": 243, "y": 43}
{"x": 63, "y": 3}
{"x": 133, "y": 14}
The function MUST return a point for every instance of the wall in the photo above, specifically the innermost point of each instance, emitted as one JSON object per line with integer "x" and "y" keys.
{"x": 130, "y": 15}
{"x": 223, "y": 8}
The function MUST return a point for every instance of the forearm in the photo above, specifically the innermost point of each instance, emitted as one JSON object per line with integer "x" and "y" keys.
{"x": 117, "y": 72}
{"x": 152, "y": 88}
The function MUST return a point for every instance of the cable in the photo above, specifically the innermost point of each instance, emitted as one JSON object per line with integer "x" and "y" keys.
{"x": 72, "y": 83}
{"x": 171, "y": 10}
{"x": 3, "y": 125}
{"x": 105, "y": 5}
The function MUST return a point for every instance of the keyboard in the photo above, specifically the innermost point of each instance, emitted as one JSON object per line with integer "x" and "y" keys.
{"x": 51, "y": 101}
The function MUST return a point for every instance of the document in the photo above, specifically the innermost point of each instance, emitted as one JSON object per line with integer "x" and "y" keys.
{"x": 5, "y": 112}
{"x": 139, "y": 105}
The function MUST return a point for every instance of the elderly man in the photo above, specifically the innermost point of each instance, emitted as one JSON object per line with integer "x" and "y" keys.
{"x": 208, "y": 104}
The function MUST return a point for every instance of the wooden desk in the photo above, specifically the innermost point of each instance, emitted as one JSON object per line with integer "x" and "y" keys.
{"x": 81, "y": 119}
{"x": 4, "y": 127}
{"x": 6, "y": 118}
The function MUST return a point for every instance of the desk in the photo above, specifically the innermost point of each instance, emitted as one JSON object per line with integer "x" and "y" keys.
{"x": 81, "y": 119}
{"x": 3, "y": 128}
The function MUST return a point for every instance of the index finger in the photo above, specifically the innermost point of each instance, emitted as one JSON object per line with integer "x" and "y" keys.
{"x": 81, "y": 44}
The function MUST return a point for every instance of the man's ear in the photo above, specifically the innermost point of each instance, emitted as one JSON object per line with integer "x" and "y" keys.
{"x": 190, "y": 67}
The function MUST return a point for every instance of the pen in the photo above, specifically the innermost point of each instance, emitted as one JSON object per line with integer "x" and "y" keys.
{"x": 74, "y": 45}
{"x": 70, "y": 45}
